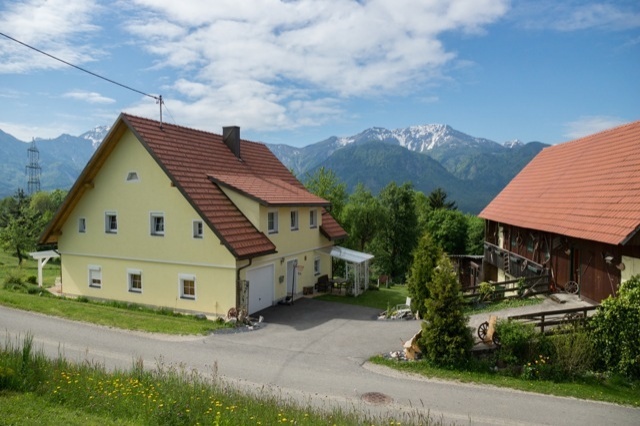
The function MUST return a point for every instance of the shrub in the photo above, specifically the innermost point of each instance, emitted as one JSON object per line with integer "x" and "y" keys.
{"x": 486, "y": 291}
{"x": 615, "y": 330}
{"x": 573, "y": 352}
{"x": 13, "y": 281}
{"x": 516, "y": 341}
{"x": 446, "y": 340}
{"x": 32, "y": 279}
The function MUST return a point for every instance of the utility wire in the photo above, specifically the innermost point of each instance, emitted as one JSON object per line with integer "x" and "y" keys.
{"x": 157, "y": 98}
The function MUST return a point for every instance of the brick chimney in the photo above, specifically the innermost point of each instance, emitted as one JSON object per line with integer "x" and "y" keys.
{"x": 231, "y": 137}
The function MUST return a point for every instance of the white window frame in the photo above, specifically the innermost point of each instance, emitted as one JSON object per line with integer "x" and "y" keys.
{"x": 108, "y": 228}
{"x": 272, "y": 228}
{"x": 94, "y": 272}
{"x": 316, "y": 265}
{"x": 181, "y": 280}
{"x": 82, "y": 225}
{"x": 153, "y": 216}
{"x": 313, "y": 218}
{"x": 198, "y": 229}
{"x": 295, "y": 219}
{"x": 130, "y": 274}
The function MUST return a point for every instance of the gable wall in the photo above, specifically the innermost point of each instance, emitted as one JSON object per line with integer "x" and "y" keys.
{"x": 160, "y": 258}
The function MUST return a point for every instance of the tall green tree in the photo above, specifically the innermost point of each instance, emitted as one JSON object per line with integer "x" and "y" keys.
{"x": 425, "y": 259}
{"x": 446, "y": 340}
{"x": 475, "y": 235}
{"x": 449, "y": 230}
{"x": 362, "y": 218}
{"x": 397, "y": 237}
{"x": 325, "y": 184}
{"x": 437, "y": 199}
{"x": 18, "y": 232}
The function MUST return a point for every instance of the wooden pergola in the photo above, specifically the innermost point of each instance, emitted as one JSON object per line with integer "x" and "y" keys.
{"x": 43, "y": 257}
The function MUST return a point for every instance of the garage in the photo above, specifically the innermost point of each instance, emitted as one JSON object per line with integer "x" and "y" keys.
{"x": 260, "y": 288}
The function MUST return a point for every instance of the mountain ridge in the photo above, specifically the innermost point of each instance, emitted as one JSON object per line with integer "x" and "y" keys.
{"x": 465, "y": 166}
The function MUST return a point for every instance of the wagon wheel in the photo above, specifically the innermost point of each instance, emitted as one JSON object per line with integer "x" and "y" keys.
{"x": 496, "y": 339}
{"x": 482, "y": 330}
{"x": 571, "y": 287}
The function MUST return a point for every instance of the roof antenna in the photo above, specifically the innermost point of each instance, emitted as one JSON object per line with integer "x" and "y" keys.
{"x": 160, "y": 102}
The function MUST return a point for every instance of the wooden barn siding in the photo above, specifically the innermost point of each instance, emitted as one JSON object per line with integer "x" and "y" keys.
{"x": 584, "y": 262}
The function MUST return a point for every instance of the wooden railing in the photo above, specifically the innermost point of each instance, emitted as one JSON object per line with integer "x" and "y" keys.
{"x": 547, "y": 319}
{"x": 512, "y": 263}
{"x": 521, "y": 287}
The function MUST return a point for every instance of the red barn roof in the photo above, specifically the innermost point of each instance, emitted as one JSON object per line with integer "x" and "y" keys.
{"x": 198, "y": 163}
{"x": 588, "y": 188}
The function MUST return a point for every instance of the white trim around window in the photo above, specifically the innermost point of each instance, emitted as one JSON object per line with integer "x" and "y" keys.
{"x": 313, "y": 218}
{"x": 134, "y": 280}
{"x": 187, "y": 286}
{"x": 198, "y": 229}
{"x": 316, "y": 265}
{"x": 294, "y": 220}
{"x": 156, "y": 223}
{"x": 94, "y": 276}
{"x": 111, "y": 222}
{"x": 272, "y": 222}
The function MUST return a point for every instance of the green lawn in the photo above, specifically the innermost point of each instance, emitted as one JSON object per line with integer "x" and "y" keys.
{"x": 379, "y": 299}
{"x": 132, "y": 318}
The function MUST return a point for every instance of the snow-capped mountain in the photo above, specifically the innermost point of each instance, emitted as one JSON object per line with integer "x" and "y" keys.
{"x": 96, "y": 135}
{"x": 436, "y": 140}
{"x": 513, "y": 143}
{"x": 419, "y": 138}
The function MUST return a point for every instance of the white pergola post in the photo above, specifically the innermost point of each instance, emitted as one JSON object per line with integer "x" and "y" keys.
{"x": 43, "y": 257}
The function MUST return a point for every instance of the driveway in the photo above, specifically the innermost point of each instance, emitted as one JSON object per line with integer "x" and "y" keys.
{"x": 315, "y": 352}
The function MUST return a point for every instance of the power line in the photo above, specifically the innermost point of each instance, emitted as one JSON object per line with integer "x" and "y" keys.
{"x": 157, "y": 98}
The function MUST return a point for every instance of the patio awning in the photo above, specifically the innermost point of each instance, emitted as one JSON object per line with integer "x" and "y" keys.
{"x": 348, "y": 255}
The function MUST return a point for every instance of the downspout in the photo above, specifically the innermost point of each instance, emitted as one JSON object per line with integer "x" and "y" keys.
{"x": 238, "y": 282}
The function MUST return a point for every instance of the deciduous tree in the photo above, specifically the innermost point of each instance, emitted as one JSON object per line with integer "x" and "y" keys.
{"x": 394, "y": 243}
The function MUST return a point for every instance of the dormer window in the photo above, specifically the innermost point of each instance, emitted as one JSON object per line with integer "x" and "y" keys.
{"x": 132, "y": 177}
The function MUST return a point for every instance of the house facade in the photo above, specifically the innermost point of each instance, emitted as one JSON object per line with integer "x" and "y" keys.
{"x": 168, "y": 216}
{"x": 572, "y": 213}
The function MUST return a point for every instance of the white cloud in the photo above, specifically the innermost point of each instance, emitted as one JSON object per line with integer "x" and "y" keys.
{"x": 89, "y": 97}
{"x": 50, "y": 26}
{"x": 282, "y": 64}
{"x": 573, "y": 15}
{"x": 588, "y": 125}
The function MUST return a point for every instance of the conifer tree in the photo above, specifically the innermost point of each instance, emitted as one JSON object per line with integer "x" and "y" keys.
{"x": 446, "y": 339}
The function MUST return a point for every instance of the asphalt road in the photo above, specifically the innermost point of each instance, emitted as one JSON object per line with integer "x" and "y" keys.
{"x": 314, "y": 352}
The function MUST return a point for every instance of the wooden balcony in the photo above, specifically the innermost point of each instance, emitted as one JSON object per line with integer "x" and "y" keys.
{"x": 511, "y": 263}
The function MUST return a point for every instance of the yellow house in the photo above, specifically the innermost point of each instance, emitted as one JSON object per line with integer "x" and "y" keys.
{"x": 168, "y": 216}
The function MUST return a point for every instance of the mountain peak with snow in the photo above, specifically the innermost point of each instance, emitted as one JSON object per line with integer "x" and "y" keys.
{"x": 96, "y": 135}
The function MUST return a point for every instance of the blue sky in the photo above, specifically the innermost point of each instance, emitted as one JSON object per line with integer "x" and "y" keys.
{"x": 297, "y": 72}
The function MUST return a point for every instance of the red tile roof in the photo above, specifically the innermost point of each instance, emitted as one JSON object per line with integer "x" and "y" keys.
{"x": 197, "y": 162}
{"x": 588, "y": 188}
{"x": 268, "y": 191}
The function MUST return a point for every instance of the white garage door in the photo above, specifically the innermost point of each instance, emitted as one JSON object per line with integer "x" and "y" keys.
{"x": 260, "y": 288}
